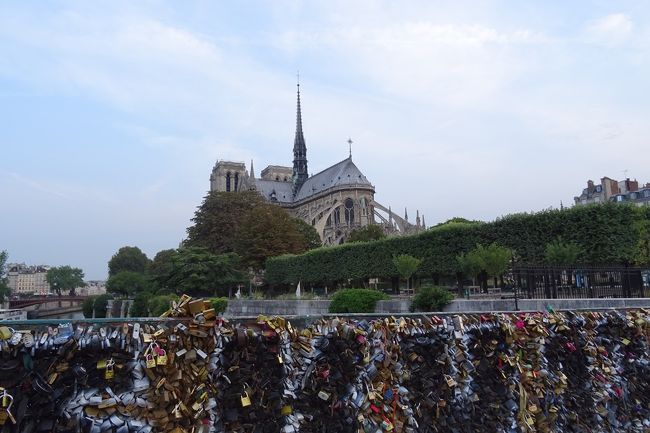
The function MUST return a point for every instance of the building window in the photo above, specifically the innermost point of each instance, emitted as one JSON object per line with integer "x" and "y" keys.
{"x": 236, "y": 181}
{"x": 337, "y": 216}
{"x": 349, "y": 211}
{"x": 329, "y": 221}
{"x": 228, "y": 182}
{"x": 646, "y": 193}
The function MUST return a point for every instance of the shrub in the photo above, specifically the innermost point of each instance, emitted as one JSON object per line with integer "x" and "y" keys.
{"x": 160, "y": 304}
{"x": 101, "y": 303}
{"x": 87, "y": 306}
{"x": 431, "y": 298}
{"x": 140, "y": 307}
{"x": 219, "y": 304}
{"x": 356, "y": 301}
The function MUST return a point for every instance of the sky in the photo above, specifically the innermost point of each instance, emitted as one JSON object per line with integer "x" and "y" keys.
{"x": 112, "y": 114}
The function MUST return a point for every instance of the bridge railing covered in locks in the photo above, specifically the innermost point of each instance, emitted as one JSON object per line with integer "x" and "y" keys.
{"x": 544, "y": 372}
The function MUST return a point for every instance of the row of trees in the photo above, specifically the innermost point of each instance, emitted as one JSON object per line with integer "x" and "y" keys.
{"x": 598, "y": 235}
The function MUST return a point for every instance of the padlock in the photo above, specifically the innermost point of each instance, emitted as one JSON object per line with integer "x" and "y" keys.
{"x": 161, "y": 359}
{"x": 150, "y": 361}
{"x": 109, "y": 373}
{"x": 5, "y": 410}
{"x": 245, "y": 399}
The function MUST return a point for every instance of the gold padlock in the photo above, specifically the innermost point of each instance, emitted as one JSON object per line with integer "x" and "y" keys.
{"x": 161, "y": 359}
{"x": 109, "y": 373}
{"x": 150, "y": 361}
{"x": 245, "y": 399}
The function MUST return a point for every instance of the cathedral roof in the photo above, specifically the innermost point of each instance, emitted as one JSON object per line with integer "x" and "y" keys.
{"x": 268, "y": 188}
{"x": 342, "y": 173}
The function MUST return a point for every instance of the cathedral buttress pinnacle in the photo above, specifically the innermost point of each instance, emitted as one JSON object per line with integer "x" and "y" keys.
{"x": 300, "y": 173}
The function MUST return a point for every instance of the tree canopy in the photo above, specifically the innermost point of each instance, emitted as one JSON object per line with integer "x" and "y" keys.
{"x": 308, "y": 232}
{"x": 244, "y": 223}
{"x": 406, "y": 266}
{"x": 198, "y": 272}
{"x": 4, "y": 287}
{"x": 128, "y": 259}
{"x": 128, "y": 283}
{"x": 267, "y": 231}
{"x": 371, "y": 232}
{"x": 560, "y": 252}
{"x": 642, "y": 250}
{"x": 64, "y": 278}
{"x": 217, "y": 220}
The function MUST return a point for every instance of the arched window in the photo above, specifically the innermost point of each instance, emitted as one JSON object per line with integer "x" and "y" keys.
{"x": 228, "y": 182}
{"x": 337, "y": 216}
{"x": 329, "y": 221}
{"x": 349, "y": 211}
{"x": 236, "y": 181}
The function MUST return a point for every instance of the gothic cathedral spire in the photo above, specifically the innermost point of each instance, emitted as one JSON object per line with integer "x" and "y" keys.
{"x": 299, "y": 152}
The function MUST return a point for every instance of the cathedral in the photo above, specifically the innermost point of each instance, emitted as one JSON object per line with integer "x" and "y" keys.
{"x": 335, "y": 201}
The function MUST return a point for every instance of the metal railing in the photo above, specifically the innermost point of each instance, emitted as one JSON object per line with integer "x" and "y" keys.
{"x": 557, "y": 282}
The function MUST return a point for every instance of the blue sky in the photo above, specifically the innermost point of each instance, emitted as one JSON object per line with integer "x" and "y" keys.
{"x": 112, "y": 114}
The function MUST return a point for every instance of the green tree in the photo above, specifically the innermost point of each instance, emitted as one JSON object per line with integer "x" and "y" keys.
{"x": 308, "y": 232}
{"x": 560, "y": 252}
{"x": 161, "y": 263}
{"x": 267, "y": 231}
{"x": 128, "y": 259}
{"x": 217, "y": 220}
{"x": 196, "y": 271}
{"x": 642, "y": 250}
{"x": 128, "y": 283}
{"x": 64, "y": 278}
{"x": 406, "y": 266}
{"x": 4, "y": 284}
{"x": 140, "y": 306}
{"x": 493, "y": 259}
{"x": 371, "y": 232}
{"x": 468, "y": 265}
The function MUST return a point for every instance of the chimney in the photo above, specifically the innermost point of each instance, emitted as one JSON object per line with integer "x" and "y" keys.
{"x": 590, "y": 185}
{"x": 632, "y": 185}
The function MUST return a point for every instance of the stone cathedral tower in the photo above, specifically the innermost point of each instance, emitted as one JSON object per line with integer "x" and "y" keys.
{"x": 335, "y": 201}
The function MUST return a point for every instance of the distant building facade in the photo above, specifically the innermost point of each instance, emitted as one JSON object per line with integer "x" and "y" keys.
{"x": 92, "y": 288}
{"x": 611, "y": 190}
{"x": 23, "y": 279}
{"x": 335, "y": 201}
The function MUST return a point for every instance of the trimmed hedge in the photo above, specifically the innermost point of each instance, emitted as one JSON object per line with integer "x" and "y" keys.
{"x": 607, "y": 234}
{"x": 356, "y": 301}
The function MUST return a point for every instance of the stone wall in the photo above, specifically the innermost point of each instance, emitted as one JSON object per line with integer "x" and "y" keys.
{"x": 245, "y": 307}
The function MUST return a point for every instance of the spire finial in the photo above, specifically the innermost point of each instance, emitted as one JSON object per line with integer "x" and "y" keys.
{"x": 252, "y": 170}
{"x": 300, "y": 173}
{"x": 350, "y": 146}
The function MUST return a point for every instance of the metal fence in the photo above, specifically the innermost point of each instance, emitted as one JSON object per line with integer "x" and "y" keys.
{"x": 543, "y": 282}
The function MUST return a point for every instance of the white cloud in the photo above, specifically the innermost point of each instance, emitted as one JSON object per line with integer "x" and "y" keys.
{"x": 610, "y": 30}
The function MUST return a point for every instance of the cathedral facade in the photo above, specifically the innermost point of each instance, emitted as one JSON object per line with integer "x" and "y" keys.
{"x": 335, "y": 201}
